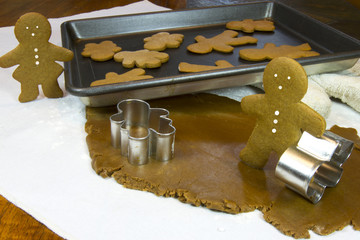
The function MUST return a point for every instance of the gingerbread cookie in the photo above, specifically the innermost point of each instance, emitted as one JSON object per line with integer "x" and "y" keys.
{"x": 36, "y": 58}
{"x": 281, "y": 117}
{"x": 249, "y": 25}
{"x": 112, "y": 77}
{"x": 141, "y": 58}
{"x": 270, "y": 51}
{"x": 100, "y": 51}
{"x": 222, "y": 42}
{"x": 163, "y": 40}
{"x": 188, "y": 67}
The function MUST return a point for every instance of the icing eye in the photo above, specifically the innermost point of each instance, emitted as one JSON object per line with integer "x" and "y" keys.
{"x": 37, "y": 62}
{"x": 273, "y": 130}
{"x": 280, "y": 87}
{"x": 275, "y": 75}
{"x": 277, "y": 113}
{"x": 275, "y": 121}
{"x": 32, "y": 34}
{"x": 288, "y": 77}
{"x": 37, "y": 26}
{"x": 36, "y": 56}
{"x": 27, "y": 27}
{"x": 36, "y": 50}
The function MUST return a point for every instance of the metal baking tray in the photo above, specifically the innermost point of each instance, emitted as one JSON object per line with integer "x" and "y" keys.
{"x": 337, "y": 50}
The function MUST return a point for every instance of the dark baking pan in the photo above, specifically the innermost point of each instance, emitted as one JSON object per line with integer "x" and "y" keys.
{"x": 337, "y": 50}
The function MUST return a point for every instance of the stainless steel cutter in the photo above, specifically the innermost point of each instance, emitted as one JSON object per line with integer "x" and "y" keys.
{"x": 142, "y": 132}
{"x": 314, "y": 164}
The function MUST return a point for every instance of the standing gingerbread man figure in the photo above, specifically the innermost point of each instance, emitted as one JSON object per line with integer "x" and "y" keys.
{"x": 36, "y": 58}
{"x": 281, "y": 117}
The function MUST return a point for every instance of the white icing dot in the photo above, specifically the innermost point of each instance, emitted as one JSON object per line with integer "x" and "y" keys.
{"x": 280, "y": 87}
{"x": 275, "y": 121}
{"x": 36, "y": 50}
{"x": 289, "y": 77}
{"x": 275, "y": 75}
{"x": 277, "y": 113}
{"x": 36, "y": 56}
{"x": 37, "y": 62}
{"x": 273, "y": 130}
{"x": 37, "y": 26}
{"x": 27, "y": 27}
{"x": 32, "y": 34}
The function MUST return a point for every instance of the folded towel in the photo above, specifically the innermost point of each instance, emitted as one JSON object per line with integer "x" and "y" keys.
{"x": 343, "y": 85}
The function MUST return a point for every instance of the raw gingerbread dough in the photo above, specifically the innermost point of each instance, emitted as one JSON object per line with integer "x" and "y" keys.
{"x": 206, "y": 170}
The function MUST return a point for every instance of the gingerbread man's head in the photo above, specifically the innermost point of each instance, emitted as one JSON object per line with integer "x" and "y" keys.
{"x": 285, "y": 80}
{"x": 32, "y": 28}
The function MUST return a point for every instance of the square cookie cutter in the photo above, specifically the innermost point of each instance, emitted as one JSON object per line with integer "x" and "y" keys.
{"x": 142, "y": 132}
{"x": 314, "y": 164}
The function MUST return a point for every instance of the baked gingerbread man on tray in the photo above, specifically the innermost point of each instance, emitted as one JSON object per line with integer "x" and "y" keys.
{"x": 36, "y": 58}
{"x": 281, "y": 116}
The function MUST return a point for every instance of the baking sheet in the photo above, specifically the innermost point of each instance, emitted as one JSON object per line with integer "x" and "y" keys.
{"x": 337, "y": 50}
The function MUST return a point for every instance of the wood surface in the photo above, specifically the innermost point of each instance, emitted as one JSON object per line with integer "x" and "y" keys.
{"x": 17, "y": 224}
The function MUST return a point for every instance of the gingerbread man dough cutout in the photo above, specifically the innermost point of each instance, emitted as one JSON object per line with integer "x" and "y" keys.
{"x": 281, "y": 117}
{"x": 101, "y": 51}
{"x": 189, "y": 67}
{"x": 249, "y": 25}
{"x": 162, "y": 40}
{"x": 112, "y": 77}
{"x": 271, "y": 51}
{"x": 221, "y": 43}
{"x": 141, "y": 58}
{"x": 36, "y": 58}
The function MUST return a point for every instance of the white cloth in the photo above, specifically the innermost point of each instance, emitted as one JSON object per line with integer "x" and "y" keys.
{"x": 45, "y": 169}
{"x": 344, "y": 85}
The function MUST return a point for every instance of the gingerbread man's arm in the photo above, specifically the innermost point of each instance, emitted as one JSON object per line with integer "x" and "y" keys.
{"x": 313, "y": 122}
{"x": 253, "y": 104}
{"x": 61, "y": 54}
{"x": 10, "y": 59}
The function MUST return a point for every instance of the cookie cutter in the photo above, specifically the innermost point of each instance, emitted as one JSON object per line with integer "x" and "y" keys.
{"x": 142, "y": 132}
{"x": 314, "y": 164}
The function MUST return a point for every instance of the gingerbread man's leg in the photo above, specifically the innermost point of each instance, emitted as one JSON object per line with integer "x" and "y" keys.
{"x": 52, "y": 89}
{"x": 254, "y": 154}
{"x": 29, "y": 92}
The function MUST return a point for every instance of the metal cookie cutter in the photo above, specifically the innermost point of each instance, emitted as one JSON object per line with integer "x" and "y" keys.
{"x": 142, "y": 132}
{"x": 314, "y": 164}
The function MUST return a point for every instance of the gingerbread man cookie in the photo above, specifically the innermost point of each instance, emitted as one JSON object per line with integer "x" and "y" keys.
{"x": 36, "y": 58}
{"x": 141, "y": 58}
{"x": 188, "y": 67}
{"x": 112, "y": 77}
{"x": 100, "y": 52}
{"x": 162, "y": 40}
{"x": 281, "y": 117}
{"x": 222, "y": 42}
{"x": 249, "y": 25}
{"x": 270, "y": 51}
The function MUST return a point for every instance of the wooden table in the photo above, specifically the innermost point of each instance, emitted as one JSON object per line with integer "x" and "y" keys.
{"x": 340, "y": 14}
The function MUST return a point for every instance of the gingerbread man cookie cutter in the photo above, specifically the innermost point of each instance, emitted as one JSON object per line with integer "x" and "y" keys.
{"x": 142, "y": 132}
{"x": 314, "y": 164}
